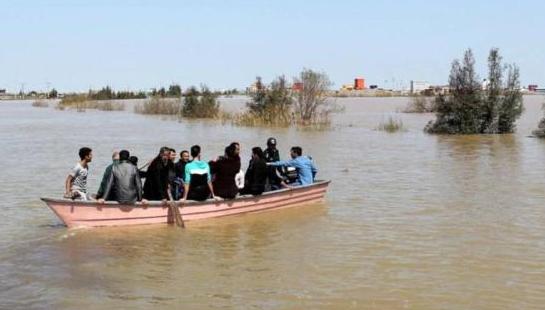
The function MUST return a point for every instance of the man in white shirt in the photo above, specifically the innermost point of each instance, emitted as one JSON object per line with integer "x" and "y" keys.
{"x": 76, "y": 181}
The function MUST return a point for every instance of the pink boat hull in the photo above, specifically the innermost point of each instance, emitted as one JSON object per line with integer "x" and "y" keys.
{"x": 93, "y": 214}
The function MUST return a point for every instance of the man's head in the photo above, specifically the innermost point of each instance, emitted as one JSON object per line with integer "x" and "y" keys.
{"x": 236, "y": 145}
{"x": 164, "y": 152}
{"x": 134, "y": 160}
{"x": 124, "y": 155}
{"x": 195, "y": 151}
{"x": 184, "y": 156}
{"x": 86, "y": 154}
{"x": 271, "y": 143}
{"x": 230, "y": 151}
{"x": 115, "y": 156}
{"x": 257, "y": 153}
{"x": 172, "y": 155}
{"x": 296, "y": 151}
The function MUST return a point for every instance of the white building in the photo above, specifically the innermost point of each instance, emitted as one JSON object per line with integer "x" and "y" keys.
{"x": 419, "y": 86}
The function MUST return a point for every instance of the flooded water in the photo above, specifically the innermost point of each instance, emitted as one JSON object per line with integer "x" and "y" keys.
{"x": 411, "y": 221}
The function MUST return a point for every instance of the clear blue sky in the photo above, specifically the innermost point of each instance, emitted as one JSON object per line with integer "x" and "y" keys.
{"x": 75, "y": 45}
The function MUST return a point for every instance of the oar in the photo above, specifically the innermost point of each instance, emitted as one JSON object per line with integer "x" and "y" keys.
{"x": 175, "y": 211}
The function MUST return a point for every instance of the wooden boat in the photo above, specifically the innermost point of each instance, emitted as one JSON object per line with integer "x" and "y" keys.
{"x": 75, "y": 213}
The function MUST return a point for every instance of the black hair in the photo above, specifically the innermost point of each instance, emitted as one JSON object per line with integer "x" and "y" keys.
{"x": 234, "y": 144}
{"x": 173, "y": 150}
{"x": 271, "y": 141}
{"x": 297, "y": 150}
{"x": 84, "y": 152}
{"x": 134, "y": 160}
{"x": 163, "y": 150}
{"x": 258, "y": 152}
{"x": 124, "y": 155}
{"x": 230, "y": 151}
{"x": 195, "y": 151}
{"x": 182, "y": 152}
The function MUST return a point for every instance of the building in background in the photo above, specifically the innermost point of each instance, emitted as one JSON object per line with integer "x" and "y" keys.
{"x": 419, "y": 86}
{"x": 347, "y": 87}
{"x": 297, "y": 86}
{"x": 359, "y": 83}
{"x": 532, "y": 87}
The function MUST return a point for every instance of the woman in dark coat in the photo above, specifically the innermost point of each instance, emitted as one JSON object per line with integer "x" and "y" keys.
{"x": 156, "y": 185}
{"x": 224, "y": 171}
{"x": 256, "y": 174}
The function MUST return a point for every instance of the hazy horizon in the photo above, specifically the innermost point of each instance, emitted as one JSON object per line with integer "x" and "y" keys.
{"x": 138, "y": 45}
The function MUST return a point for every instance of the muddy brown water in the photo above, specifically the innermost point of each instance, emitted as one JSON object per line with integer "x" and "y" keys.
{"x": 411, "y": 221}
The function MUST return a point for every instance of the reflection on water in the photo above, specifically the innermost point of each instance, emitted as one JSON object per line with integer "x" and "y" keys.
{"x": 411, "y": 220}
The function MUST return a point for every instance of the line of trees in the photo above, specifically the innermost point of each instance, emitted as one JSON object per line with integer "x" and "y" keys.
{"x": 196, "y": 103}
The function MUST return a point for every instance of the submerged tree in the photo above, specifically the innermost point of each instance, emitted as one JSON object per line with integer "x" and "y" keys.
{"x": 281, "y": 105}
{"x": 470, "y": 110}
{"x": 273, "y": 105}
{"x": 311, "y": 101}
{"x": 201, "y": 104}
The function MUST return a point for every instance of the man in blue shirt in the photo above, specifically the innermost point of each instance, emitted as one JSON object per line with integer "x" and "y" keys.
{"x": 306, "y": 170}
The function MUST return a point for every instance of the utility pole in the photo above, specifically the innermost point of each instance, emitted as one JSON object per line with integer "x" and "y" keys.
{"x": 22, "y": 91}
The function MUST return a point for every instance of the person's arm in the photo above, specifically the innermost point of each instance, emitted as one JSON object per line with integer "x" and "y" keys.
{"x": 210, "y": 186}
{"x": 282, "y": 163}
{"x": 186, "y": 190}
{"x": 68, "y": 186}
{"x": 107, "y": 187}
{"x": 313, "y": 169}
{"x": 100, "y": 193}
{"x": 187, "y": 181}
{"x": 69, "y": 181}
{"x": 240, "y": 179}
{"x": 138, "y": 184}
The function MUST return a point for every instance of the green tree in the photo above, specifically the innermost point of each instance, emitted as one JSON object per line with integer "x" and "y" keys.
{"x": 470, "y": 110}
{"x": 174, "y": 90}
{"x": 200, "y": 105}
{"x": 162, "y": 92}
{"x": 273, "y": 105}
{"x": 52, "y": 94}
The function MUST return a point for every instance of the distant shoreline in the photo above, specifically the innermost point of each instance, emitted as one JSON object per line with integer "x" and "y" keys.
{"x": 331, "y": 95}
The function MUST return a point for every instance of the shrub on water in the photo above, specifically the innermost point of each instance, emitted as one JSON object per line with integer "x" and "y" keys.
{"x": 470, "y": 110}
{"x": 159, "y": 106}
{"x": 311, "y": 102}
{"x": 420, "y": 104}
{"x": 40, "y": 104}
{"x": 391, "y": 125}
{"x": 81, "y": 103}
{"x": 271, "y": 106}
{"x": 201, "y": 104}
{"x": 280, "y": 105}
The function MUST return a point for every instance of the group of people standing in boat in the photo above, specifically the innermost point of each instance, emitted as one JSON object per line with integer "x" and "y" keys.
{"x": 191, "y": 178}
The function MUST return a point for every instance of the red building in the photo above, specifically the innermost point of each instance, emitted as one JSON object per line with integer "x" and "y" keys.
{"x": 298, "y": 86}
{"x": 359, "y": 83}
{"x": 532, "y": 87}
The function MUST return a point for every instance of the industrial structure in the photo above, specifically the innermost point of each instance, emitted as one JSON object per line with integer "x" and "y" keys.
{"x": 419, "y": 86}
